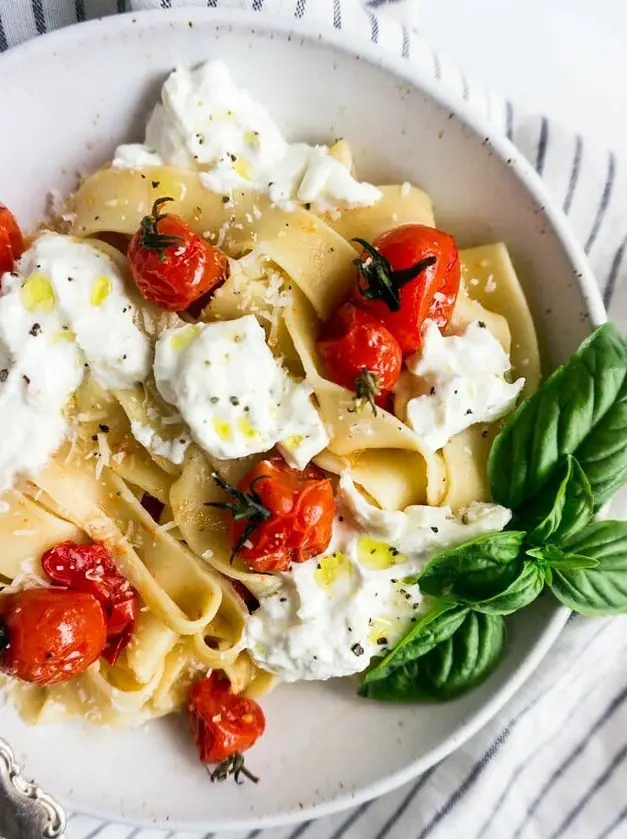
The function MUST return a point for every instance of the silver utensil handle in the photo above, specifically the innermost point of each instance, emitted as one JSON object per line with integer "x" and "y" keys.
{"x": 26, "y": 811}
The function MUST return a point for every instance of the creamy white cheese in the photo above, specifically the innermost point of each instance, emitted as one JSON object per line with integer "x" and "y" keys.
{"x": 173, "y": 449}
{"x": 233, "y": 394}
{"x": 206, "y": 122}
{"x": 460, "y": 380}
{"x": 332, "y": 614}
{"x": 63, "y": 310}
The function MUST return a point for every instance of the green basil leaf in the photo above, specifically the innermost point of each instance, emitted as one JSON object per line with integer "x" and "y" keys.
{"x": 433, "y": 628}
{"x": 556, "y": 558}
{"x": 475, "y": 571}
{"x": 601, "y": 590}
{"x": 451, "y": 668}
{"x": 520, "y": 593}
{"x": 603, "y": 456}
{"x": 578, "y": 410}
{"x": 562, "y": 507}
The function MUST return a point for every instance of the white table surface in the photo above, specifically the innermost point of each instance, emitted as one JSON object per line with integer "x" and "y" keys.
{"x": 564, "y": 58}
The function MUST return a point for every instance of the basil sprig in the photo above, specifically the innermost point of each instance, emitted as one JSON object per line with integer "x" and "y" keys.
{"x": 557, "y": 461}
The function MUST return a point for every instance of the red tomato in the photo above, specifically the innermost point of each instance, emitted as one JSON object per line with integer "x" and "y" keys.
{"x": 280, "y": 515}
{"x": 360, "y": 353}
{"x": 407, "y": 275}
{"x": 91, "y": 569}
{"x": 172, "y": 266}
{"x": 11, "y": 240}
{"x": 223, "y": 722}
{"x": 52, "y": 634}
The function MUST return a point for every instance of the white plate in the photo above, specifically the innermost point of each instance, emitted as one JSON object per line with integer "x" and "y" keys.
{"x": 72, "y": 97}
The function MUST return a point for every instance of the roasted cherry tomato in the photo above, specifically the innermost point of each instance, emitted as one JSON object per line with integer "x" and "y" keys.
{"x": 91, "y": 569}
{"x": 360, "y": 353}
{"x": 279, "y": 515}
{"x": 11, "y": 240}
{"x": 223, "y": 722}
{"x": 172, "y": 266}
{"x": 50, "y": 635}
{"x": 407, "y": 275}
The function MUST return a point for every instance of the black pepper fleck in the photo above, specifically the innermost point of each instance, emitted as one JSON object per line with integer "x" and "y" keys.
{"x": 104, "y": 428}
{"x": 155, "y": 184}
{"x": 432, "y": 391}
{"x": 484, "y": 433}
{"x": 214, "y": 400}
{"x": 469, "y": 411}
{"x": 357, "y": 649}
{"x": 435, "y": 529}
{"x": 35, "y": 330}
{"x": 382, "y": 641}
{"x": 26, "y": 379}
{"x": 94, "y": 437}
{"x": 4, "y": 375}
{"x": 482, "y": 324}
{"x": 234, "y": 400}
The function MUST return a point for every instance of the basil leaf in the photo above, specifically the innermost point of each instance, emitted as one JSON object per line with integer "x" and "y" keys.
{"x": 601, "y": 590}
{"x": 556, "y": 558}
{"x": 454, "y": 666}
{"x": 520, "y": 593}
{"x": 604, "y": 456}
{"x": 433, "y": 628}
{"x": 475, "y": 571}
{"x": 562, "y": 507}
{"x": 580, "y": 407}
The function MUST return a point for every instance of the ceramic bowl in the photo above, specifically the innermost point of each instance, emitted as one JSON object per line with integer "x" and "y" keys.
{"x": 76, "y": 94}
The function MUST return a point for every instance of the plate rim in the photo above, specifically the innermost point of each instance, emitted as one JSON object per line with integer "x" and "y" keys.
{"x": 361, "y": 49}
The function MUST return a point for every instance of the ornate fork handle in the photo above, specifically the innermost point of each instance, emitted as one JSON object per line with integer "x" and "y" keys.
{"x": 26, "y": 811}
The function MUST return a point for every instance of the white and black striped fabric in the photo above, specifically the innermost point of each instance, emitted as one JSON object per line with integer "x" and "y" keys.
{"x": 553, "y": 763}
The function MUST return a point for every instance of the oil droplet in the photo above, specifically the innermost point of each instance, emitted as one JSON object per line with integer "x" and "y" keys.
{"x": 223, "y": 429}
{"x": 101, "y": 289}
{"x": 184, "y": 337}
{"x": 246, "y": 428}
{"x": 331, "y": 568}
{"x": 378, "y": 555}
{"x": 37, "y": 293}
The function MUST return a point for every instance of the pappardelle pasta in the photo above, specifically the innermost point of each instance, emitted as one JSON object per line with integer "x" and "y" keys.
{"x": 246, "y": 397}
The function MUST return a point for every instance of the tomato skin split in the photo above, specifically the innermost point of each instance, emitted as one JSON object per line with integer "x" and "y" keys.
{"x": 90, "y": 568}
{"x": 301, "y": 506}
{"x": 223, "y": 723}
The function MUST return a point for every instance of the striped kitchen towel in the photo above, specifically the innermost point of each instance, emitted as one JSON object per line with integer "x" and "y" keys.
{"x": 551, "y": 764}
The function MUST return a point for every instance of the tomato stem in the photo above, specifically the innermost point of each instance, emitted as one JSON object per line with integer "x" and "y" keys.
{"x": 367, "y": 388}
{"x": 149, "y": 236}
{"x": 245, "y": 505}
{"x": 235, "y": 766}
{"x": 382, "y": 281}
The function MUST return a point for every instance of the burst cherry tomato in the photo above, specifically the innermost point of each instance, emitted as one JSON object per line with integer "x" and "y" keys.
{"x": 90, "y": 568}
{"x": 223, "y": 722}
{"x": 172, "y": 266}
{"x": 11, "y": 240}
{"x": 51, "y": 635}
{"x": 360, "y": 353}
{"x": 407, "y": 275}
{"x": 280, "y": 515}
